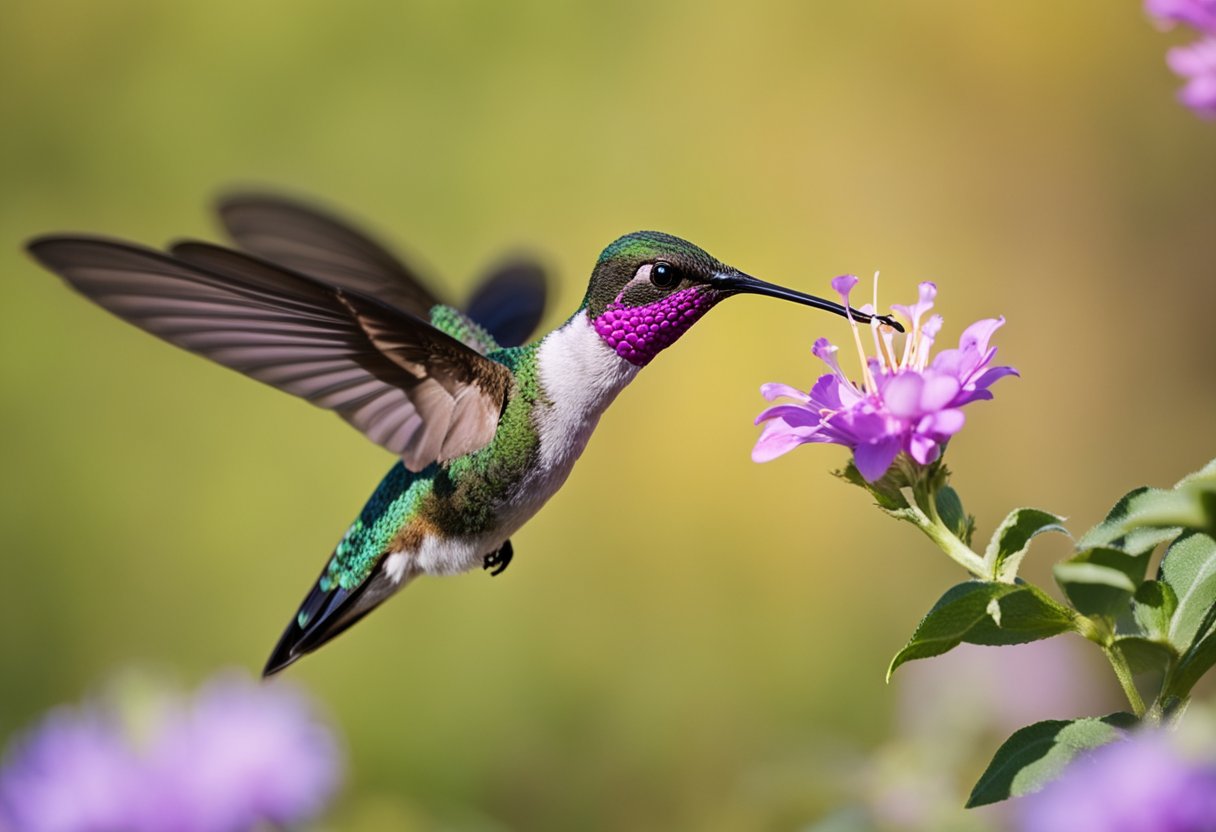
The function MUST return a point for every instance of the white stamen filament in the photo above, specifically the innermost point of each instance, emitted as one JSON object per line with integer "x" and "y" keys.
{"x": 910, "y": 345}
{"x": 917, "y": 347}
{"x": 867, "y": 378}
{"x": 888, "y": 340}
{"x": 882, "y": 362}
{"x": 921, "y": 351}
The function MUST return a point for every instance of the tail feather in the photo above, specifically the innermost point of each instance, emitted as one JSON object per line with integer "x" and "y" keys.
{"x": 324, "y": 615}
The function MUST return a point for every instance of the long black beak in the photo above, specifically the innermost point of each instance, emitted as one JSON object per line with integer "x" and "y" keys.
{"x": 740, "y": 283}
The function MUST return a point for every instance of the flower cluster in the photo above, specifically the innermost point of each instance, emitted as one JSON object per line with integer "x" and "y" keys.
{"x": 904, "y": 401}
{"x": 1138, "y": 785}
{"x": 1197, "y": 61}
{"x": 237, "y": 755}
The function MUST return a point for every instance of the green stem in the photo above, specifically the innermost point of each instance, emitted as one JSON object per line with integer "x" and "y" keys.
{"x": 1124, "y": 674}
{"x": 1169, "y": 705}
{"x": 930, "y": 522}
{"x": 954, "y": 548}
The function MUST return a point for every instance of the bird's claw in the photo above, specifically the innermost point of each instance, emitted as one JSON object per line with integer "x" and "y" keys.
{"x": 499, "y": 560}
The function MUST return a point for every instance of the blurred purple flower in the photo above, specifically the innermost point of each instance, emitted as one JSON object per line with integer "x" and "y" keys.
{"x": 1136, "y": 785}
{"x": 1199, "y": 14}
{"x": 1196, "y": 62}
{"x": 904, "y": 403}
{"x": 73, "y": 773}
{"x": 238, "y": 755}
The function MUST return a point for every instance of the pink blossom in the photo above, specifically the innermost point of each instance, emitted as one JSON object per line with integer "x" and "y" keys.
{"x": 906, "y": 400}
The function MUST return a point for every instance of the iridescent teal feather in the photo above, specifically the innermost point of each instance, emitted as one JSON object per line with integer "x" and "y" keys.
{"x": 458, "y": 498}
{"x": 460, "y": 326}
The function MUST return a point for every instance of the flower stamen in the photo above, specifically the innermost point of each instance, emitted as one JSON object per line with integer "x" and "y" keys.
{"x": 914, "y": 411}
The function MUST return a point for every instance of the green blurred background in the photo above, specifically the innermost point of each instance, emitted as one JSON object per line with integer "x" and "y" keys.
{"x": 685, "y": 639}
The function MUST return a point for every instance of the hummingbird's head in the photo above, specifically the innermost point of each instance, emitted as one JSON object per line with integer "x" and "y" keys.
{"x": 648, "y": 288}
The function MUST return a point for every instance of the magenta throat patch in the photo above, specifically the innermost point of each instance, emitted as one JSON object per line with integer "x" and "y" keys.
{"x": 639, "y": 333}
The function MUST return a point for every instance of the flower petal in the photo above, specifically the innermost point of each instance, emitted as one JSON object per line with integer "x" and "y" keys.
{"x": 969, "y": 396}
{"x": 1196, "y": 13}
{"x": 1199, "y": 95}
{"x": 874, "y": 458}
{"x": 926, "y": 293}
{"x": 923, "y": 449}
{"x": 776, "y": 440}
{"x": 939, "y": 391}
{"x": 827, "y": 352}
{"x": 1192, "y": 60}
{"x": 932, "y": 327}
{"x": 978, "y": 334}
{"x": 949, "y": 362}
{"x": 943, "y": 423}
{"x": 794, "y": 415}
{"x": 775, "y": 390}
{"x": 902, "y": 395}
{"x": 844, "y": 284}
{"x": 993, "y": 374}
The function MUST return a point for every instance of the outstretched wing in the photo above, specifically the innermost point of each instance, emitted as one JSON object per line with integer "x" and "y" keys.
{"x": 409, "y": 387}
{"x": 312, "y": 242}
{"x": 510, "y": 301}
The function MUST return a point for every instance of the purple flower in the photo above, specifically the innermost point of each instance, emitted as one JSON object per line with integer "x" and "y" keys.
{"x": 903, "y": 403}
{"x": 73, "y": 774}
{"x": 1137, "y": 785}
{"x": 1197, "y": 63}
{"x": 238, "y": 755}
{"x": 1199, "y": 14}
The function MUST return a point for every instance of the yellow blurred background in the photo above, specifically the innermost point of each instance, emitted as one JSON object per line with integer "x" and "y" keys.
{"x": 685, "y": 640}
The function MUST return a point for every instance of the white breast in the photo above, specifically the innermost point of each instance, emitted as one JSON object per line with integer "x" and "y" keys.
{"x": 579, "y": 377}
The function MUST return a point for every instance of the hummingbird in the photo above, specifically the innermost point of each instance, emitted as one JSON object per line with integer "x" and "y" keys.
{"x": 486, "y": 427}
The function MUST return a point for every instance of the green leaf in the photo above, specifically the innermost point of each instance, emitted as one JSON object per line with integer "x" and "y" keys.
{"x": 1189, "y": 569}
{"x": 1147, "y": 517}
{"x": 1120, "y": 530}
{"x": 1202, "y": 480}
{"x": 1146, "y": 655}
{"x": 1036, "y": 754}
{"x": 982, "y": 612}
{"x": 1101, "y": 581}
{"x": 1012, "y": 538}
{"x": 1153, "y": 606}
{"x": 1198, "y": 661}
{"x": 950, "y": 510}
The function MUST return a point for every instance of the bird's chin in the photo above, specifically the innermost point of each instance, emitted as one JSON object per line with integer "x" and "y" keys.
{"x": 639, "y": 333}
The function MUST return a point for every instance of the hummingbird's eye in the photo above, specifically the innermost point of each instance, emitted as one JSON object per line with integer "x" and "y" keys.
{"x": 665, "y": 276}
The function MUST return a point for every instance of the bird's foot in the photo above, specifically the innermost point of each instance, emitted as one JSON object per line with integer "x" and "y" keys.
{"x": 499, "y": 560}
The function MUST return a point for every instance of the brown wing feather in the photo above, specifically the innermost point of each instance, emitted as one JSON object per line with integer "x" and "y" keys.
{"x": 403, "y": 383}
{"x": 310, "y": 241}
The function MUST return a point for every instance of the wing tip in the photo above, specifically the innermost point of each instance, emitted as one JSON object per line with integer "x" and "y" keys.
{"x": 229, "y": 203}
{"x": 44, "y": 247}
{"x": 61, "y": 249}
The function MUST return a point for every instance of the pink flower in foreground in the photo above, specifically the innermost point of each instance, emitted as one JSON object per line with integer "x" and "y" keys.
{"x": 236, "y": 757}
{"x": 1137, "y": 785}
{"x": 904, "y": 402}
